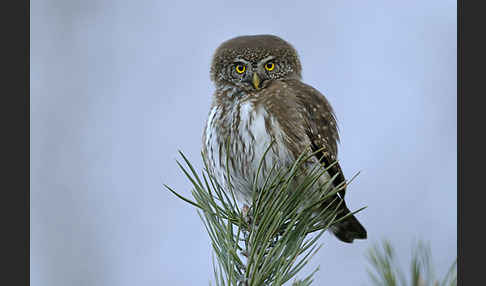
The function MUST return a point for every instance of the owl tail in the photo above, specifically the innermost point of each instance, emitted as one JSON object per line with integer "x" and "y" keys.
{"x": 349, "y": 229}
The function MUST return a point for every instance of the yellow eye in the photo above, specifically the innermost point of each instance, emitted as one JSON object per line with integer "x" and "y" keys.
{"x": 240, "y": 68}
{"x": 269, "y": 66}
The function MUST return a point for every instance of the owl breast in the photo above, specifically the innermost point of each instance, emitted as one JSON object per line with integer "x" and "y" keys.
{"x": 249, "y": 129}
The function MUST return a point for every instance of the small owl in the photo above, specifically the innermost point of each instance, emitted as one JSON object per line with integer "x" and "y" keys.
{"x": 259, "y": 99}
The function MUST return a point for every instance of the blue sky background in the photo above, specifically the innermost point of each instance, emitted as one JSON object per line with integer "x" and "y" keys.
{"x": 117, "y": 87}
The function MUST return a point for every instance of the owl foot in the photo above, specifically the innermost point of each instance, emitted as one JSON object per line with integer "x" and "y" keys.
{"x": 246, "y": 215}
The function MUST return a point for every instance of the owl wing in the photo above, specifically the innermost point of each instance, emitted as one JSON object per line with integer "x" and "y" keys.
{"x": 321, "y": 127}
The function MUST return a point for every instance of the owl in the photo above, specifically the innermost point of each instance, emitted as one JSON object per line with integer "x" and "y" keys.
{"x": 260, "y": 98}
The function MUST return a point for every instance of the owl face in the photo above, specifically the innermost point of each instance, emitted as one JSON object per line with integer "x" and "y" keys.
{"x": 251, "y": 63}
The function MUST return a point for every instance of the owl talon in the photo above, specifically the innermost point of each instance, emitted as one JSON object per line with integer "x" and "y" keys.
{"x": 246, "y": 216}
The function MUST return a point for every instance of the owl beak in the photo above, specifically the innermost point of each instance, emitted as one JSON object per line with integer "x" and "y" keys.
{"x": 256, "y": 81}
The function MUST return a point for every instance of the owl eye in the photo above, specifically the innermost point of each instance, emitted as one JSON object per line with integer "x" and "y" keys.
{"x": 269, "y": 66}
{"x": 240, "y": 68}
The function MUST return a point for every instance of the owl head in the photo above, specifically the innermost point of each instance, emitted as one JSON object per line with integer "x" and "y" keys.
{"x": 251, "y": 63}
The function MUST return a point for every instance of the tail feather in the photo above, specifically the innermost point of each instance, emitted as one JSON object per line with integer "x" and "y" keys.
{"x": 349, "y": 229}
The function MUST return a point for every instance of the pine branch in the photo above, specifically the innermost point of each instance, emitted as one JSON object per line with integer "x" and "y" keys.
{"x": 387, "y": 272}
{"x": 269, "y": 242}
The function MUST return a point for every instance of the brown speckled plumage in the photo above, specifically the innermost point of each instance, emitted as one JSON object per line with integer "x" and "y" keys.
{"x": 264, "y": 104}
